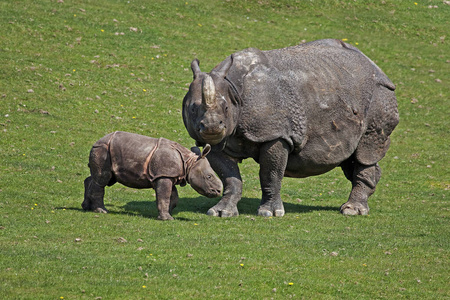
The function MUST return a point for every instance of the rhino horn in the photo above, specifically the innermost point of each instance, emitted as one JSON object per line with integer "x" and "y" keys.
{"x": 208, "y": 92}
{"x": 195, "y": 67}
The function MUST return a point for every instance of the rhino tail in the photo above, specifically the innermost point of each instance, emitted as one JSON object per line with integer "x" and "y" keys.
{"x": 383, "y": 118}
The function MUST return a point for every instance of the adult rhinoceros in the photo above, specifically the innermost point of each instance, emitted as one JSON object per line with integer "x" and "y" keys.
{"x": 299, "y": 111}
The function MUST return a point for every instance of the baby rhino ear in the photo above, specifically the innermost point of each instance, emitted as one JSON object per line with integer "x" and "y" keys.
{"x": 196, "y": 150}
{"x": 206, "y": 150}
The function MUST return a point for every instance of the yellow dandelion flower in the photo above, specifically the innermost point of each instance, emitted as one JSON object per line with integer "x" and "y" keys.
{"x": 241, "y": 265}
{"x": 199, "y": 24}
{"x": 356, "y": 43}
{"x": 102, "y": 30}
{"x": 74, "y": 15}
{"x": 144, "y": 90}
{"x": 364, "y": 265}
{"x": 344, "y": 40}
{"x": 195, "y": 224}
{"x": 73, "y": 70}
{"x": 35, "y": 204}
{"x": 144, "y": 287}
{"x": 415, "y": 3}
{"x": 291, "y": 283}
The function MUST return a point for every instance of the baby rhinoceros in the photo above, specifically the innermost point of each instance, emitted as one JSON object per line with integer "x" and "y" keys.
{"x": 142, "y": 162}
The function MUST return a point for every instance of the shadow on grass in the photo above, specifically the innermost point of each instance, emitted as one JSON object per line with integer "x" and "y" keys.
{"x": 249, "y": 206}
{"x": 201, "y": 205}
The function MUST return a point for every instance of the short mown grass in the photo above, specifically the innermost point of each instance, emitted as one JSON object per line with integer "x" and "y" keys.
{"x": 72, "y": 71}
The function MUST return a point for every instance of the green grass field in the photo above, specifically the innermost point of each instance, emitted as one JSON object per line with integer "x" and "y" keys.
{"x": 73, "y": 71}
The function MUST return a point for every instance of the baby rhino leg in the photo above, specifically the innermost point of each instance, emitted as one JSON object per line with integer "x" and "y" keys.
{"x": 173, "y": 199}
{"x": 164, "y": 197}
{"x": 101, "y": 176}
{"x": 93, "y": 196}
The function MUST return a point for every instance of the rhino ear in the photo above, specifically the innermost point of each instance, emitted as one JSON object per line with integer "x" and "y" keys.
{"x": 196, "y": 150}
{"x": 206, "y": 150}
{"x": 222, "y": 69}
{"x": 195, "y": 67}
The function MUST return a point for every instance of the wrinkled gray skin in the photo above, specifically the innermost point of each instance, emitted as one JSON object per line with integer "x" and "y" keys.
{"x": 123, "y": 157}
{"x": 299, "y": 111}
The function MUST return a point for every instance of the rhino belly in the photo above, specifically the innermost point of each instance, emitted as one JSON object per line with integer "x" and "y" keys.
{"x": 321, "y": 153}
{"x": 132, "y": 177}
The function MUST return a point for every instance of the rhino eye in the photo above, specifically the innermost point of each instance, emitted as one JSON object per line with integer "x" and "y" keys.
{"x": 209, "y": 176}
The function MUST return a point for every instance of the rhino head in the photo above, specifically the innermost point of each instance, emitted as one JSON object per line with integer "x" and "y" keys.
{"x": 211, "y": 106}
{"x": 201, "y": 176}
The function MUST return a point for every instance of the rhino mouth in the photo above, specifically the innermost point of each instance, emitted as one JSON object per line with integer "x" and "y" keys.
{"x": 211, "y": 193}
{"x": 212, "y": 138}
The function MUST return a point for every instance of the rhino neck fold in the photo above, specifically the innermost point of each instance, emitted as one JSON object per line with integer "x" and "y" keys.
{"x": 188, "y": 164}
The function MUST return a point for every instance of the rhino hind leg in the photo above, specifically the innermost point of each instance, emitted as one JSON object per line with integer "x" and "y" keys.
{"x": 364, "y": 180}
{"x": 101, "y": 176}
{"x": 173, "y": 199}
{"x": 93, "y": 196}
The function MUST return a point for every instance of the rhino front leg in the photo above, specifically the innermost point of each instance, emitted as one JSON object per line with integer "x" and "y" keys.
{"x": 364, "y": 181}
{"x": 273, "y": 160}
{"x": 228, "y": 170}
{"x": 164, "y": 191}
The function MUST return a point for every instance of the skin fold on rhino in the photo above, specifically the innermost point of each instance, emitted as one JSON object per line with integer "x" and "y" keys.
{"x": 143, "y": 162}
{"x": 298, "y": 111}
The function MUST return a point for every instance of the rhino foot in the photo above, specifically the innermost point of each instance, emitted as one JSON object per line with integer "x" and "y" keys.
{"x": 271, "y": 209}
{"x": 223, "y": 213}
{"x": 165, "y": 217}
{"x": 353, "y": 209}
{"x": 267, "y": 213}
{"x": 100, "y": 210}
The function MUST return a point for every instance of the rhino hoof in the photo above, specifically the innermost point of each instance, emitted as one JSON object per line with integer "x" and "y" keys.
{"x": 100, "y": 210}
{"x": 279, "y": 212}
{"x": 268, "y": 213}
{"x": 264, "y": 213}
{"x": 352, "y": 210}
{"x": 212, "y": 212}
{"x": 221, "y": 213}
{"x": 165, "y": 218}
